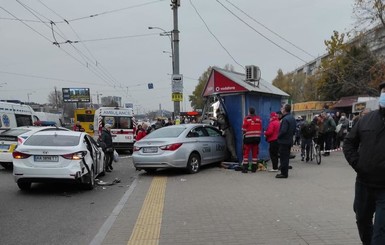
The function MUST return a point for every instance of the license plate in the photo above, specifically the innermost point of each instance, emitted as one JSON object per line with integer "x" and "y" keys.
{"x": 46, "y": 158}
{"x": 150, "y": 149}
{"x": 4, "y": 147}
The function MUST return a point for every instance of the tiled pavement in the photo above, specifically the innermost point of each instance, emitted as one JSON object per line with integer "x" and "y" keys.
{"x": 222, "y": 207}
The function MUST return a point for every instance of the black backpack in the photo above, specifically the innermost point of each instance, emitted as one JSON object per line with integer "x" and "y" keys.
{"x": 307, "y": 130}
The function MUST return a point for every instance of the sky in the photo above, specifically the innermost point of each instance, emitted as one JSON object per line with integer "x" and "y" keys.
{"x": 118, "y": 55}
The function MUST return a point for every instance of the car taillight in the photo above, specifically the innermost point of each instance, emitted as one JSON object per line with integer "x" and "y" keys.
{"x": 136, "y": 148}
{"x": 19, "y": 155}
{"x": 75, "y": 156}
{"x": 171, "y": 147}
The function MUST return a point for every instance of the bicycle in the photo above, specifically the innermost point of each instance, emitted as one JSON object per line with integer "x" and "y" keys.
{"x": 315, "y": 152}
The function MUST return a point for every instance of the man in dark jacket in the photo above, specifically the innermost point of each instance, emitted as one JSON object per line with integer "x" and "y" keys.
{"x": 285, "y": 139}
{"x": 107, "y": 146}
{"x": 307, "y": 132}
{"x": 364, "y": 150}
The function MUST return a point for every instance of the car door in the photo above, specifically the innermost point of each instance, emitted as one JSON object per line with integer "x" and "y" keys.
{"x": 95, "y": 155}
{"x": 218, "y": 144}
{"x": 203, "y": 144}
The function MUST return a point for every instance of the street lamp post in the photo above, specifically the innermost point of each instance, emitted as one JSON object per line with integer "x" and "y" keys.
{"x": 28, "y": 94}
{"x": 174, "y": 40}
{"x": 168, "y": 34}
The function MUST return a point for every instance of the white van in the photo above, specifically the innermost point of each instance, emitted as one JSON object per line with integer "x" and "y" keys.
{"x": 49, "y": 117}
{"x": 15, "y": 115}
{"x": 123, "y": 126}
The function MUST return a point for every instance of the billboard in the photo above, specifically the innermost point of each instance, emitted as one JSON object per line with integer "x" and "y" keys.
{"x": 76, "y": 95}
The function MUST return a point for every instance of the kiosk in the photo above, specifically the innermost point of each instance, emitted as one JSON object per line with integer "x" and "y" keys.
{"x": 235, "y": 95}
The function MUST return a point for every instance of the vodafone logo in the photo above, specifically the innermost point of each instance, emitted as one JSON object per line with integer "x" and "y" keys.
{"x": 227, "y": 88}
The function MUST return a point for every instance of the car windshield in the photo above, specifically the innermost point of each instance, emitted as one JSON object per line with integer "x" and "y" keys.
{"x": 166, "y": 132}
{"x": 52, "y": 140}
{"x": 15, "y": 132}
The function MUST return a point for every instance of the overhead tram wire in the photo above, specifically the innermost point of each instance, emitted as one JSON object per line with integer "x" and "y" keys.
{"x": 87, "y": 64}
{"x": 97, "y": 64}
{"x": 46, "y": 38}
{"x": 49, "y": 78}
{"x": 109, "y": 38}
{"x": 111, "y": 11}
{"x": 89, "y": 16}
{"x": 30, "y": 27}
{"x": 204, "y": 22}
{"x": 265, "y": 37}
{"x": 267, "y": 28}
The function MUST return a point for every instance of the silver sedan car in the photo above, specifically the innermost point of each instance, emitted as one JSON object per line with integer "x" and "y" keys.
{"x": 180, "y": 146}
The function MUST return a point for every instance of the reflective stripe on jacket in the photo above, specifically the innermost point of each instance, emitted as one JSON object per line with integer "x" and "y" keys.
{"x": 252, "y": 126}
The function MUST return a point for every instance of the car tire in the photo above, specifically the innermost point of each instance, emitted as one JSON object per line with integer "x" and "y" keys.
{"x": 194, "y": 163}
{"x": 7, "y": 165}
{"x": 150, "y": 170}
{"x": 90, "y": 180}
{"x": 24, "y": 186}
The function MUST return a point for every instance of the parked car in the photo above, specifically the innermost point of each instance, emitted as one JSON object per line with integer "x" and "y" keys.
{"x": 58, "y": 156}
{"x": 180, "y": 146}
{"x": 10, "y": 138}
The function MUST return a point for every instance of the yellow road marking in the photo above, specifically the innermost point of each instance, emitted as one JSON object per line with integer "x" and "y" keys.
{"x": 147, "y": 226}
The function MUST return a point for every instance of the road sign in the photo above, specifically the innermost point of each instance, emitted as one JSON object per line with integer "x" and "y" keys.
{"x": 177, "y": 97}
{"x": 177, "y": 83}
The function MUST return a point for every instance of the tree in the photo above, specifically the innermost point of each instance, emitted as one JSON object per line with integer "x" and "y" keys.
{"x": 56, "y": 98}
{"x": 299, "y": 86}
{"x": 347, "y": 70}
{"x": 197, "y": 100}
{"x": 369, "y": 12}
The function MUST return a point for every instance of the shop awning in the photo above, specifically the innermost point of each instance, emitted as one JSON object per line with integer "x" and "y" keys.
{"x": 346, "y": 102}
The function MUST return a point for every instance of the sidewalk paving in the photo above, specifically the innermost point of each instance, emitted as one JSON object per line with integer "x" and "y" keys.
{"x": 222, "y": 207}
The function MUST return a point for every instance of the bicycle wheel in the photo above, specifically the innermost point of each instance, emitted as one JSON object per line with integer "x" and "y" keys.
{"x": 317, "y": 154}
{"x": 312, "y": 152}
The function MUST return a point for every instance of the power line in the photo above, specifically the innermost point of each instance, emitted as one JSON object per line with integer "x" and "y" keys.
{"x": 109, "y": 38}
{"x": 99, "y": 74}
{"x": 268, "y": 39}
{"x": 111, "y": 11}
{"x": 49, "y": 78}
{"x": 275, "y": 33}
{"x": 88, "y": 16}
{"x": 207, "y": 27}
{"x": 46, "y": 38}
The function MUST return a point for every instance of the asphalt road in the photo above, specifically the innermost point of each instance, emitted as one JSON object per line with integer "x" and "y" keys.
{"x": 59, "y": 213}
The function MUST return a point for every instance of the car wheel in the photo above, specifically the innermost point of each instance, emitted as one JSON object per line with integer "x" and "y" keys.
{"x": 194, "y": 163}
{"x": 7, "y": 165}
{"x": 91, "y": 180}
{"x": 24, "y": 186}
{"x": 150, "y": 170}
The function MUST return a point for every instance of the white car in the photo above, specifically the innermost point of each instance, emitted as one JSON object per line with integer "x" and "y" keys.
{"x": 10, "y": 138}
{"x": 58, "y": 156}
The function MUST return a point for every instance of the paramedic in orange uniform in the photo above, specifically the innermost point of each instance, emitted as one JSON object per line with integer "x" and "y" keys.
{"x": 252, "y": 128}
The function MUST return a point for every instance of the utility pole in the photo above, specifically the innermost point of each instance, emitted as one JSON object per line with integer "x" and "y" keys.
{"x": 175, "y": 49}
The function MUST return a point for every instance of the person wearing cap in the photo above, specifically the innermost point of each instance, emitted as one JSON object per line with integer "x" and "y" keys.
{"x": 299, "y": 122}
{"x": 364, "y": 151}
{"x": 271, "y": 135}
{"x": 108, "y": 147}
